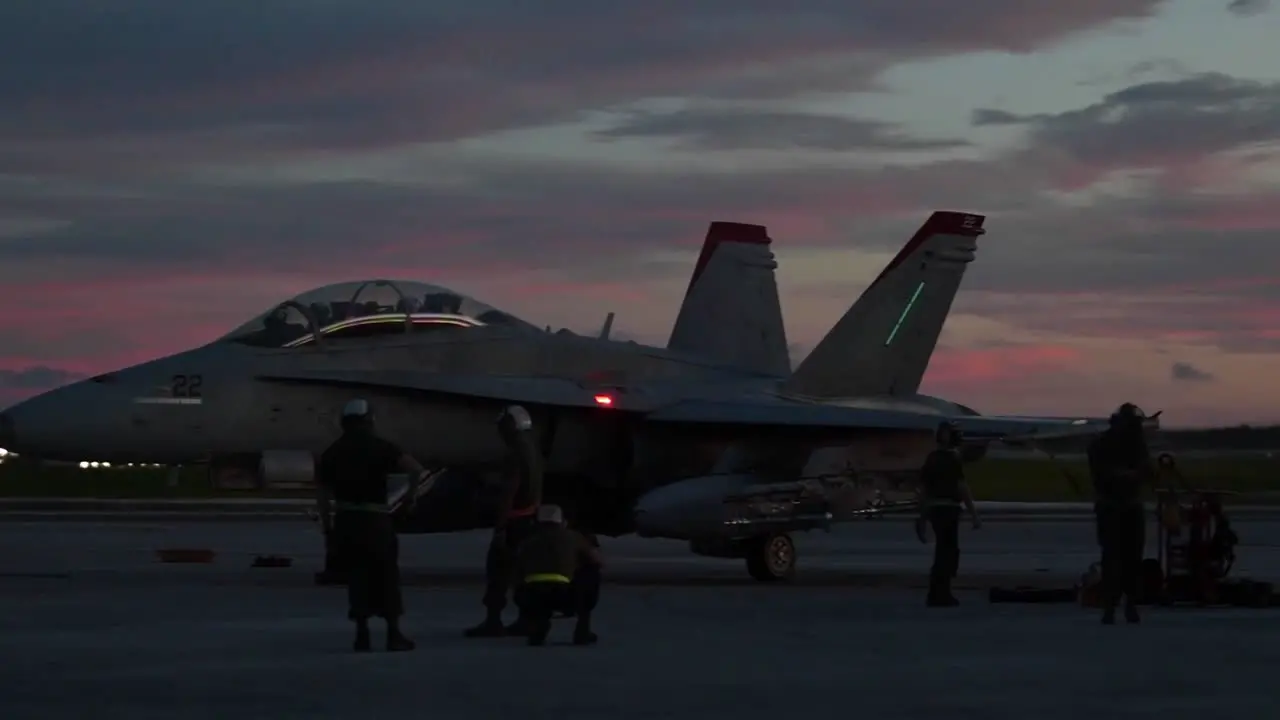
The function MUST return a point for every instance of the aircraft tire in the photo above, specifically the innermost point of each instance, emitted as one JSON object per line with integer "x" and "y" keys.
{"x": 771, "y": 558}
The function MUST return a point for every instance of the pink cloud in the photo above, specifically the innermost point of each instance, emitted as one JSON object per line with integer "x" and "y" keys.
{"x": 952, "y": 367}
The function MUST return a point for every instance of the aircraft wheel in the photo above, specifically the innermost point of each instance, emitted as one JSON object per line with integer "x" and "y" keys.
{"x": 772, "y": 558}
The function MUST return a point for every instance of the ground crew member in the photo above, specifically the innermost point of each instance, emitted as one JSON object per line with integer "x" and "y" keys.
{"x": 352, "y": 477}
{"x": 1120, "y": 466}
{"x": 944, "y": 491}
{"x": 560, "y": 569}
{"x": 522, "y": 492}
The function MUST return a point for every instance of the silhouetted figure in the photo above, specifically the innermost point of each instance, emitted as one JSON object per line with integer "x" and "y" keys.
{"x": 1120, "y": 465}
{"x": 943, "y": 493}
{"x": 352, "y": 477}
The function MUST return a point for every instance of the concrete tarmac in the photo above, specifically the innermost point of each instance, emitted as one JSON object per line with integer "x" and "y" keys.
{"x": 92, "y": 626}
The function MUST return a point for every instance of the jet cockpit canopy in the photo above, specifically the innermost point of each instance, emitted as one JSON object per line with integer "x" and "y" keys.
{"x": 368, "y": 308}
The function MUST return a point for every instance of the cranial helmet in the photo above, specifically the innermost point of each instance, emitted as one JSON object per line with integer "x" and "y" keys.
{"x": 950, "y": 429}
{"x": 550, "y": 514}
{"x": 517, "y": 417}
{"x": 356, "y": 408}
{"x": 1127, "y": 415}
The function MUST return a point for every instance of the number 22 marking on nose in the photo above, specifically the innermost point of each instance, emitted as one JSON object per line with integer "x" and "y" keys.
{"x": 188, "y": 386}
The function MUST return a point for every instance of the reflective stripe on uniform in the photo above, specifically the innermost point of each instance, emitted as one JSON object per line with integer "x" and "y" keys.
{"x": 361, "y": 506}
{"x": 546, "y": 578}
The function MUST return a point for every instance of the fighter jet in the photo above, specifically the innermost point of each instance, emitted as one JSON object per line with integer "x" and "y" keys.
{"x": 690, "y": 441}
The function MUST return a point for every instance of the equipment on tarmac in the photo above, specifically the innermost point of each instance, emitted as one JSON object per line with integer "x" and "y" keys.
{"x": 197, "y": 556}
{"x": 1195, "y": 547}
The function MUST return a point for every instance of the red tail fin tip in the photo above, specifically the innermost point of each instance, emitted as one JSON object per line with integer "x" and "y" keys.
{"x": 727, "y": 232}
{"x": 941, "y": 222}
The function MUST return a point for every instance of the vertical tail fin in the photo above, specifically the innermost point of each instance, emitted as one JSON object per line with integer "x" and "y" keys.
{"x": 607, "y": 327}
{"x": 731, "y": 313}
{"x": 883, "y": 343}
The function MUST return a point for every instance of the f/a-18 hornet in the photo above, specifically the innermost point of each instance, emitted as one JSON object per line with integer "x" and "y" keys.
{"x": 712, "y": 439}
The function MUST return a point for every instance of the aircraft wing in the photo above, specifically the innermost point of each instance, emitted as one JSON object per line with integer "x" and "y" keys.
{"x": 762, "y": 413}
{"x": 521, "y": 390}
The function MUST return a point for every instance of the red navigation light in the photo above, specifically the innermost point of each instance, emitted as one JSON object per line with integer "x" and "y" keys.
{"x": 604, "y": 400}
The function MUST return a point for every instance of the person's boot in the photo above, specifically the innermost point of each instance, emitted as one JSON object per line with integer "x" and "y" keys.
{"x": 941, "y": 597}
{"x": 582, "y": 634}
{"x": 1131, "y": 615}
{"x": 362, "y": 643}
{"x": 396, "y": 640}
{"x": 520, "y": 628}
{"x": 536, "y": 633}
{"x": 491, "y": 627}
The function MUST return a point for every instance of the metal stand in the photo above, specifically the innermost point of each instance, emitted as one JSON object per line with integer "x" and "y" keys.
{"x": 1193, "y": 559}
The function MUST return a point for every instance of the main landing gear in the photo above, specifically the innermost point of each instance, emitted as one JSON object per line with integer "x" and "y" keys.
{"x": 770, "y": 558}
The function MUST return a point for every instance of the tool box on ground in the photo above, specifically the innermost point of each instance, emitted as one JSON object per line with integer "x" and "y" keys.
{"x": 185, "y": 555}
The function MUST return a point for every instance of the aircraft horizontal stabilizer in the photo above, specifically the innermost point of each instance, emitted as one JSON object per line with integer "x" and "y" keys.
{"x": 1042, "y": 429}
{"x": 835, "y": 419}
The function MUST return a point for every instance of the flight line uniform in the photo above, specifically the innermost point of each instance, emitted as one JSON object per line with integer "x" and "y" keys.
{"x": 1120, "y": 465}
{"x": 354, "y": 470}
{"x": 560, "y": 571}
{"x": 944, "y": 494}
{"x": 522, "y": 493}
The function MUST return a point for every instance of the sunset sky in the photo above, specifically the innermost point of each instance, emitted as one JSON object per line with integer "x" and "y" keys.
{"x": 170, "y": 168}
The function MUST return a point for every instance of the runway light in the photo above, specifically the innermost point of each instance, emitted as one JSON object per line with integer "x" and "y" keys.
{"x": 604, "y": 400}
{"x": 3, "y": 452}
{"x": 95, "y": 464}
{"x": 106, "y": 464}
{"x": 84, "y": 464}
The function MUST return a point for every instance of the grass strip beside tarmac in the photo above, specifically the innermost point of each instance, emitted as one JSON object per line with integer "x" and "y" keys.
{"x": 1257, "y": 479}
{"x": 22, "y": 480}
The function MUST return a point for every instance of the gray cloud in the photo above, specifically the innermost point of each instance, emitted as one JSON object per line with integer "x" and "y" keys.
{"x": 1152, "y": 123}
{"x": 360, "y": 72}
{"x": 1186, "y": 372}
{"x": 552, "y": 215}
{"x": 740, "y": 128}
{"x": 1248, "y": 8}
{"x": 38, "y": 377}
{"x": 107, "y": 134}
{"x": 1232, "y": 317}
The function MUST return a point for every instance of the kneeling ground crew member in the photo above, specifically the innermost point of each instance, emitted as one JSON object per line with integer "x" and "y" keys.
{"x": 944, "y": 492}
{"x": 522, "y": 492}
{"x": 561, "y": 573}
{"x": 1120, "y": 465}
{"x": 352, "y": 473}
